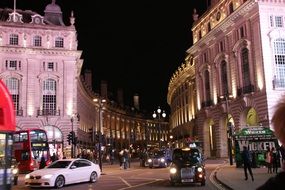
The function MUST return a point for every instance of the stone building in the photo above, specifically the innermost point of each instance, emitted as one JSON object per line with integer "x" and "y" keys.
{"x": 41, "y": 66}
{"x": 233, "y": 74}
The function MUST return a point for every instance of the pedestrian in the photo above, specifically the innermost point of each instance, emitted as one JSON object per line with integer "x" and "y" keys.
{"x": 53, "y": 157}
{"x": 126, "y": 158}
{"x": 268, "y": 160}
{"x": 121, "y": 158}
{"x": 278, "y": 122}
{"x": 275, "y": 158}
{"x": 246, "y": 158}
{"x": 282, "y": 152}
{"x": 43, "y": 162}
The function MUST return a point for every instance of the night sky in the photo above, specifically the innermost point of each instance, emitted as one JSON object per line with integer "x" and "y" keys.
{"x": 135, "y": 45}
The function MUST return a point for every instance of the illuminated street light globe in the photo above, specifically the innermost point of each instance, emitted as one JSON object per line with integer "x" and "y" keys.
{"x": 154, "y": 115}
{"x": 163, "y": 114}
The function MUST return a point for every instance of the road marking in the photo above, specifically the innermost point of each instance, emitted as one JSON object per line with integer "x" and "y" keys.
{"x": 125, "y": 182}
{"x": 146, "y": 183}
{"x": 213, "y": 173}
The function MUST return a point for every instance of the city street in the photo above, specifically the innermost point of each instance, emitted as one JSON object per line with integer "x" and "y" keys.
{"x": 133, "y": 178}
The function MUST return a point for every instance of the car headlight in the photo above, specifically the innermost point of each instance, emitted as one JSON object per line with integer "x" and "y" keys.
{"x": 15, "y": 171}
{"x": 162, "y": 160}
{"x": 27, "y": 176}
{"x": 149, "y": 160}
{"x": 173, "y": 170}
{"x": 47, "y": 176}
{"x": 199, "y": 169}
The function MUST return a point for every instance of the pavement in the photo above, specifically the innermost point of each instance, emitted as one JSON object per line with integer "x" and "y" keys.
{"x": 234, "y": 178}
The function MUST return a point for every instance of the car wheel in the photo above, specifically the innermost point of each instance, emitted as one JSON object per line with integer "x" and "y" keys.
{"x": 93, "y": 177}
{"x": 59, "y": 182}
{"x": 203, "y": 183}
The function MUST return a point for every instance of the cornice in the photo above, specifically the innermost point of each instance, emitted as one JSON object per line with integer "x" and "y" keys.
{"x": 40, "y": 51}
{"x": 222, "y": 27}
{"x": 184, "y": 72}
{"x": 35, "y": 26}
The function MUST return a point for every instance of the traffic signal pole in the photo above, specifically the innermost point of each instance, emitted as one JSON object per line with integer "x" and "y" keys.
{"x": 72, "y": 138}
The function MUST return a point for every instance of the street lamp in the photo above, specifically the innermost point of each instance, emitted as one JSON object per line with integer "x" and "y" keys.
{"x": 100, "y": 103}
{"x": 159, "y": 113}
{"x": 229, "y": 127}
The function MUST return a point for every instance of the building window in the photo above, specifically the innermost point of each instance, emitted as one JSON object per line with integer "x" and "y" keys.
{"x": 231, "y": 7}
{"x": 207, "y": 86}
{"x": 221, "y": 46}
{"x": 278, "y": 21}
{"x": 37, "y": 41}
{"x": 245, "y": 67}
{"x": 13, "y": 86}
{"x": 14, "y": 39}
{"x": 13, "y": 65}
{"x": 241, "y": 31}
{"x": 49, "y": 97}
{"x": 209, "y": 27}
{"x": 50, "y": 66}
{"x": 279, "y": 56}
{"x": 224, "y": 78}
{"x": 271, "y": 21}
{"x": 205, "y": 58}
{"x": 59, "y": 42}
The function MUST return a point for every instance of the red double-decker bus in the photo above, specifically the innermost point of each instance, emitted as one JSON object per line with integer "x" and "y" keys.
{"x": 29, "y": 147}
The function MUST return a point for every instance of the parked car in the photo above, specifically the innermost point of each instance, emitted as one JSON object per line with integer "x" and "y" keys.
{"x": 187, "y": 166}
{"x": 157, "y": 159}
{"x": 63, "y": 172}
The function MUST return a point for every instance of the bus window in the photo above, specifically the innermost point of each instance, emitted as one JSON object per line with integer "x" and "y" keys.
{"x": 23, "y": 136}
{"x": 25, "y": 155}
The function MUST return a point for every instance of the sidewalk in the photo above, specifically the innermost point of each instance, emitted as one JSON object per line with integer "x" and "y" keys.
{"x": 234, "y": 177}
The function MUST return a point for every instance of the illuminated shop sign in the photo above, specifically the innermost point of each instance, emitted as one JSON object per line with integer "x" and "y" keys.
{"x": 39, "y": 145}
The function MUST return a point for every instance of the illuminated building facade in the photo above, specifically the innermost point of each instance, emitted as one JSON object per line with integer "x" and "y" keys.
{"x": 235, "y": 69}
{"x": 41, "y": 65}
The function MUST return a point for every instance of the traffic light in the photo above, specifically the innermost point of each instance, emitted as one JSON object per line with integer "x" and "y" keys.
{"x": 70, "y": 137}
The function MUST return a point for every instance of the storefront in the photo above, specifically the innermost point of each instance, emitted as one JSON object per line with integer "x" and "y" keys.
{"x": 55, "y": 139}
{"x": 257, "y": 139}
{"x": 7, "y": 127}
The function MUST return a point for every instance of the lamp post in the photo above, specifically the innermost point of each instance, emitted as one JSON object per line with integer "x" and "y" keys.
{"x": 229, "y": 128}
{"x": 100, "y": 118}
{"x": 159, "y": 113}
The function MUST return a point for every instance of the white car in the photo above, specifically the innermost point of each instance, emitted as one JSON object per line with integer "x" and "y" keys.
{"x": 63, "y": 172}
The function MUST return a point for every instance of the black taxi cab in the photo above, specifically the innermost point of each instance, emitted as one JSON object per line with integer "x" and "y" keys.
{"x": 187, "y": 166}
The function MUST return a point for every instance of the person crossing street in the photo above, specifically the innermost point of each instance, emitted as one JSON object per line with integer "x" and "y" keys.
{"x": 246, "y": 163}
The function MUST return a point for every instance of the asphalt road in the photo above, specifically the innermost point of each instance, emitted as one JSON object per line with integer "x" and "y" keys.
{"x": 139, "y": 179}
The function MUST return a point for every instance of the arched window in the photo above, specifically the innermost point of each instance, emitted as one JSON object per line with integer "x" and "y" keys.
{"x": 13, "y": 86}
{"x": 279, "y": 56}
{"x": 49, "y": 97}
{"x": 224, "y": 78}
{"x": 245, "y": 68}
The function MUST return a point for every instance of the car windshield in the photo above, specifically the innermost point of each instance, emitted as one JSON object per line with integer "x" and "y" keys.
{"x": 60, "y": 164}
{"x": 191, "y": 155}
{"x": 158, "y": 154}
